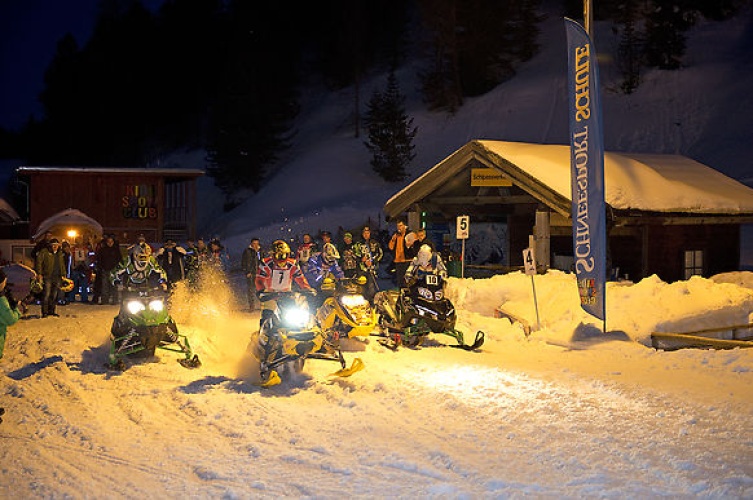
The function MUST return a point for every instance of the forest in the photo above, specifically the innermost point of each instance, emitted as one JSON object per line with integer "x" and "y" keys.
{"x": 226, "y": 75}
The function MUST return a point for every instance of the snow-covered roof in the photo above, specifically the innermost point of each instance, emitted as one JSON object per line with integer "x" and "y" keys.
{"x": 67, "y": 218}
{"x": 647, "y": 182}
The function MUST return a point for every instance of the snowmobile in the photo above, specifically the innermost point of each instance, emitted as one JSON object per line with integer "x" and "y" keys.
{"x": 345, "y": 313}
{"x": 408, "y": 315}
{"x": 288, "y": 336}
{"x": 143, "y": 325}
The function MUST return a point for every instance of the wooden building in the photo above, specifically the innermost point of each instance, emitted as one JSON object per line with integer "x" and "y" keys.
{"x": 666, "y": 214}
{"x": 160, "y": 203}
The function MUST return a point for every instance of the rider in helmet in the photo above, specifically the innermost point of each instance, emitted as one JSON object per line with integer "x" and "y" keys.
{"x": 139, "y": 270}
{"x": 426, "y": 261}
{"x": 277, "y": 272}
{"x": 323, "y": 264}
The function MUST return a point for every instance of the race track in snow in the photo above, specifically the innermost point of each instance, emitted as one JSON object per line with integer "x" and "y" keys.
{"x": 519, "y": 418}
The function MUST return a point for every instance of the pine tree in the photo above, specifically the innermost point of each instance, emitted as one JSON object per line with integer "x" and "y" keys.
{"x": 251, "y": 120}
{"x": 631, "y": 46}
{"x": 391, "y": 132}
{"x": 666, "y": 27}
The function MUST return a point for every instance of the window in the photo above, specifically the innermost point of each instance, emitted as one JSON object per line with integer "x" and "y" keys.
{"x": 693, "y": 265}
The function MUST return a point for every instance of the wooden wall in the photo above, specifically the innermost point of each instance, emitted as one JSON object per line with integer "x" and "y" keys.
{"x": 124, "y": 203}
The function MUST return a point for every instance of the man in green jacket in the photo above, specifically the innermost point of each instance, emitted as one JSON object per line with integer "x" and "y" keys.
{"x": 9, "y": 312}
{"x": 9, "y": 315}
{"x": 50, "y": 268}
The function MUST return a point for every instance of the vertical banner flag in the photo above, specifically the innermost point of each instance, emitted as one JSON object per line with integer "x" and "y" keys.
{"x": 587, "y": 170}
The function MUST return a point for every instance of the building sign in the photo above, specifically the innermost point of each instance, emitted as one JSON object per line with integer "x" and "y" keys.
{"x": 139, "y": 201}
{"x": 489, "y": 177}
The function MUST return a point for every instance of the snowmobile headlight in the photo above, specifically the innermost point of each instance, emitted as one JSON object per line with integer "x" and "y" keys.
{"x": 135, "y": 306}
{"x": 156, "y": 305}
{"x": 353, "y": 300}
{"x": 296, "y": 317}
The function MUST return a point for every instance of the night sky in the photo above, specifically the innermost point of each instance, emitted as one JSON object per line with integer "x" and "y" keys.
{"x": 29, "y": 31}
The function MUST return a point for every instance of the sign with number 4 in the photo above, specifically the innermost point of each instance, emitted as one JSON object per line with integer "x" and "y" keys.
{"x": 529, "y": 261}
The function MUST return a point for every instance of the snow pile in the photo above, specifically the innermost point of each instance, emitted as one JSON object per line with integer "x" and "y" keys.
{"x": 634, "y": 311}
{"x": 557, "y": 413}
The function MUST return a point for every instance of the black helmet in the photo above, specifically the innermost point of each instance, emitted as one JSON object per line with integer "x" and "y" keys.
{"x": 280, "y": 250}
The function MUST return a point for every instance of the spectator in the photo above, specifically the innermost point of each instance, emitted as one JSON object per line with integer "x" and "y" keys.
{"x": 108, "y": 258}
{"x": 250, "y": 265}
{"x": 350, "y": 261}
{"x": 79, "y": 271}
{"x": 418, "y": 242}
{"x": 9, "y": 315}
{"x": 50, "y": 268}
{"x": 369, "y": 253}
{"x": 9, "y": 311}
{"x": 305, "y": 251}
{"x": 201, "y": 251}
{"x": 192, "y": 262}
{"x": 44, "y": 242}
{"x": 217, "y": 255}
{"x": 65, "y": 297}
{"x": 171, "y": 258}
{"x": 398, "y": 246}
{"x": 327, "y": 240}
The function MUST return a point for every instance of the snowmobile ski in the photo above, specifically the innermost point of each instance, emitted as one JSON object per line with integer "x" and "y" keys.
{"x": 272, "y": 379}
{"x": 458, "y": 335}
{"x": 356, "y": 366}
{"x": 193, "y": 362}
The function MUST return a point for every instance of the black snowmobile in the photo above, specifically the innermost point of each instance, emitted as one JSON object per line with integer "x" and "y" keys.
{"x": 144, "y": 325}
{"x": 408, "y": 315}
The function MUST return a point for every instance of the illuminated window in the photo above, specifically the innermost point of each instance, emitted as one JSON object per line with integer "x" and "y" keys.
{"x": 693, "y": 263}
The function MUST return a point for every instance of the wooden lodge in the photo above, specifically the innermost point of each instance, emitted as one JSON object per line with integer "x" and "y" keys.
{"x": 666, "y": 214}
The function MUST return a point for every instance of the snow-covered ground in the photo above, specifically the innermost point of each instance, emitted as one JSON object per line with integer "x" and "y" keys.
{"x": 565, "y": 412}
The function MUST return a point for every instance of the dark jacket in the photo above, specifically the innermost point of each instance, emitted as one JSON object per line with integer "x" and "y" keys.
{"x": 109, "y": 257}
{"x": 172, "y": 260}
{"x": 349, "y": 257}
{"x": 250, "y": 262}
{"x": 369, "y": 254}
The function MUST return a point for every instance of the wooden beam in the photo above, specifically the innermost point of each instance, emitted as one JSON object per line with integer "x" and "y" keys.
{"x": 483, "y": 200}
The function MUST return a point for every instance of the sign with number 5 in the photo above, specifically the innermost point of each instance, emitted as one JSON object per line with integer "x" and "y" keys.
{"x": 463, "y": 227}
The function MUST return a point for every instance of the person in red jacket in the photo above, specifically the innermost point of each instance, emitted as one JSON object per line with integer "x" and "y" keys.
{"x": 277, "y": 273}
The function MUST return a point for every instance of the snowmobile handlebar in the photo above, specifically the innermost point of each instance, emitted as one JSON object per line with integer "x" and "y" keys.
{"x": 266, "y": 296}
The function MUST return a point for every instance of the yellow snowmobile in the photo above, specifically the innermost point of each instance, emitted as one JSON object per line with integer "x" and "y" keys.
{"x": 288, "y": 336}
{"x": 345, "y": 313}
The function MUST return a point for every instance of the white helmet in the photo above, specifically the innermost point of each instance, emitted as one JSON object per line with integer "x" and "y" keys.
{"x": 424, "y": 255}
{"x": 330, "y": 253}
